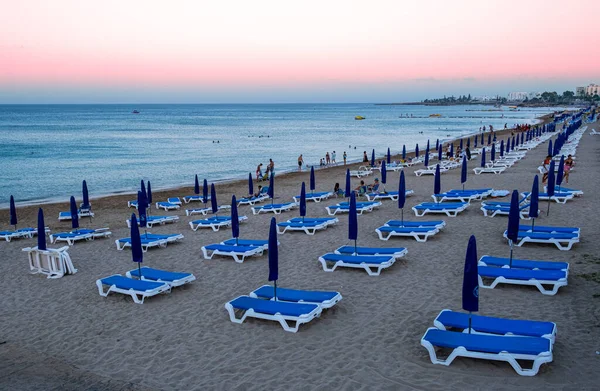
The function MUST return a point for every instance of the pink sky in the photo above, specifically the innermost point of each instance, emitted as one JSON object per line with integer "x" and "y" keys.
{"x": 83, "y": 45}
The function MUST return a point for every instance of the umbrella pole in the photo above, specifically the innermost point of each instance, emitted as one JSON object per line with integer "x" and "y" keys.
{"x": 402, "y": 216}
{"x": 511, "y": 253}
{"x": 548, "y": 211}
{"x": 532, "y": 223}
{"x": 355, "y": 253}
{"x": 139, "y": 271}
{"x": 275, "y": 289}
{"x": 463, "y": 187}
{"x": 470, "y": 322}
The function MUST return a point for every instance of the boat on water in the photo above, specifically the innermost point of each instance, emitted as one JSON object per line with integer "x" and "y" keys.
{"x": 359, "y": 117}
{"x": 513, "y": 108}
{"x": 435, "y": 115}
{"x": 135, "y": 112}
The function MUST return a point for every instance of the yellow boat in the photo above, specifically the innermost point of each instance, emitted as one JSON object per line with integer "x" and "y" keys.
{"x": 435, "y": 115}
{"x": 358, "y": 117}
{"x": 513, "y": 107}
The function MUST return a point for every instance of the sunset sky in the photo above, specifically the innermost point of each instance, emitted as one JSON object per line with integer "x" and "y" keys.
{"x": 73, "y": 51}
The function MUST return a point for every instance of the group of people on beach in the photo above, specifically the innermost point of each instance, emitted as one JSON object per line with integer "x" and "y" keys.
{"x": 270, "y": 169}
{"x": 328, "y": 160}
{"x": 568, "y": 165}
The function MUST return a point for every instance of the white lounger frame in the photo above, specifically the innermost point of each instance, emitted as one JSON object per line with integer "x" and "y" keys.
{"x": 368, "y": 267}
{"x": 448, "y": 212}
{"x": 238, "y": 256}
{"x": 561, "y": 244}
{"x": 537, "y": 283}
{"x": 53, "y": 263}
{"x": 260, "y": 209}
{"x": 308, "y": 230}
{"x": 137, "y": 296}
{"x": 418, "y": 236}
{"x": 98, "y": 233}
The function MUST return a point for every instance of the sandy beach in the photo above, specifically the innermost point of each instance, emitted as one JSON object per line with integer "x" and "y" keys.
{"x": 60, "y": 334}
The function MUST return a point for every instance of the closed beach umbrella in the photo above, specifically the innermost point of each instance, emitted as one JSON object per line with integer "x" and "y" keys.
{"x": 461, "y": 144}
{"x": 235, "y": 221}
{"x": 402, "y": 194}
{"x": 303, "y": 201}
{"x": 13, "y": 212}
{"x": 560, "y": 172}
{"x": 489, "y": 138}
{"x": 149, "y": 193}
{"x": 507, "y": 145}
{"x": 271, "y": 191}
{"x": 426, "y": 162}
{"x": 137, "y": 255}
{"x": 437, "y": 187}
{"x": 196, "y": 185}
{"x": 468, "y": 143}
{"x": 470, "y": 289}
{"x": 74, "y": 215}
{"x": 551, "y": 184}
{"x": 475, "y": 142}
{"x": 250, "y": 185}
{"x": 41, "y": 231}
{"x": 437, "y": 143}
{"x": 463, "y": 172}
{"x": 389, "y": 156}
{"x": 481, "y": 139}
{"x": 440, "y": 153}
{"x": 512, "y": 144}
{"x": 86, "y": 195}
{"x": 213, "y": 199}
{"x": 143, "y": 190}
{"x": 142, "y": 209}
{"x": 403, "y": 152}
{"x": 501, "y": 148}
{"x": 512, "y": 231}
{"x": 427, "y": 144}
{"x": 273, "y": 256}
{"x": 417, "y": 151}
{"x": 534, "y": 201}
{"x": 313, "y": 185}
{"x": 205, "y": 192}
{"x": 522, "y": 137}
{"x": 348, "y": 188}
{"x": 483, "y": 157}
{"x": 452, "y": 149}
{"x": 493, "y": 153}
{"x": 383, "y": 174}
{"x": 550, "y": 150}
{"x": 373, "y": 158}
{"x": 353, "y": 221}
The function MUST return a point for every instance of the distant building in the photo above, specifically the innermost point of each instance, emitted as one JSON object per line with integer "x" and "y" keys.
{"x": 518, "y": 96}
{"x": 579, "y": 91}
{"x": 592, "y": 89}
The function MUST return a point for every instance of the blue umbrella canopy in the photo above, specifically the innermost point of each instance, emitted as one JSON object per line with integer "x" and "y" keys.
{"x": 513, "y": 217}
{"x": 313, "y": 184}
{"x": 468, "y": 143}
{"x": 142, "y": 204}
{"x": 534, "y": 198}
{"x": 205, "y": 191}
{"x": 426, "y": 162}
{"x": 501, "y": 148}
{"x": 470, "y": 291}
{"x": 452, "y": 149}
{"x": 440, "y": 152}
{"x": 373, "y": 158}
{"x": 403, "y": 152}
{"x": 303, "y": 200}
{"x": 86, "y": 195}
{"x": 437, "y": 187}
{"x": 417, "y": 151}
{"x": 401, "y": 191}
{"x": 512, "y": 144}
{"x": 461, "y": 143}
{"x": 74, "y": 215}
{"x": 522, "y": 137}
{"x": 13, "y": 212}
{"x": 560, "y": 173}
{"x": 348, "y": 189}
{"x": 352, "y": 219}
{"x": 551, "y": 180}
{"x": 389, "y": 156}
{"x": 149, "y": 193}
{"x": 437, "y": 143}
{"x": 383, "y": 173}
{"x": 507, "y": 145}
{"x": 137, "y": 255}
{"x": 41, "y": 239}
{"x": 273, "y": 255}
{"x": 235, "y": 221}
{"x": 481, "y": 139}
{"x": 483, "y": 157}
{"x": 463, "y": 170}
{"x": 143, "y": 190}
{"x": 213, "y": 199}
{"x": 271, "y": 191}
{"x": 250, "y": 185}
{"x": 493, "y": 153}
{"x": 489, "y": 138}
{"x": 196, "y": 185}
{"x": 550, "y": 150}
{"x": 475, "y": 141}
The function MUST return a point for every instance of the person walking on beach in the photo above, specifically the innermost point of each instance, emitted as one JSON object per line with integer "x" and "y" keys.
{"x": 569, "y": 163}
{"x": 365, "y": 157}
{"x": 345, "y": 156}
{"x": 259, "y": 172}
{"x": 300, "y": 162}
{"x": 327, "y": 158}
{"x": 333, "y": 157}
{"x": 545, "y": 169}
{"x": 271, "y": 166}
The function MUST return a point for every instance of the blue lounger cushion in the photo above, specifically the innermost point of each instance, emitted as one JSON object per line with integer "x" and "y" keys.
{"x": 407, "y": 224}
{"x": 129, "y": 283}
{"x": 360, "y": 204}
{"x": 300, "y": 224}
{"x": 488, "y": 343}
{"x": 548, "y": 235}
{"x": 386, "y": 228}
{"x": 349, "y": 250}
{"x": 159, "y": 275}
{"x": 543, "y": 228}
{"x": 524, "y": 263}
{"x": 246, "y": 242}
{"x": 295, "y": 295}
{"x": 269, "y": 307}
{"x": 440, "y": 205}
{"x": 312, "y": 219}
{"x": 521, "y": 274}
{"x": 231, "y": 248}
{"x": 356, "y": 259}
{"x": 492, "y": 325}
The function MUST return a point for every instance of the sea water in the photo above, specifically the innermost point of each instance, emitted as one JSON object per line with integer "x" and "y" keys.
{"x": 47, "y": 150}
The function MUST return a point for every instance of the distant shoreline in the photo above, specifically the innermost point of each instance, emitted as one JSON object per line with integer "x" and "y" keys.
{"x": 477, "y": 104}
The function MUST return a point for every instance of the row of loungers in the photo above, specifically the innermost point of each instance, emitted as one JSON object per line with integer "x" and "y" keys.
{"x": 20, "y": 233}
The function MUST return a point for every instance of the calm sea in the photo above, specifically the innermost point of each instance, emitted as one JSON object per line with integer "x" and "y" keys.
{"x": 47, "y": 150}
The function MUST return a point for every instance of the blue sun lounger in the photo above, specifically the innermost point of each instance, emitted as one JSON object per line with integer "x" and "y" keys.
{"x": 132, "y": 204}
{"x": 499, "y": 203}
{"x": 391, "y": 195}
{"x": 549, "y": 229}
{"x": 493, "y": 210}
{"x": 214, "y": 222}
{"x": 538, "y": 278}
{"x": 449, "y": 208}
{"x": 344, "y": 207}
{"x": 150, "y": 240}
{"x": 238, "y": 253}
{"x": 173, "y": 279}
{"x": 195, "y": 197}
{"x": 252, "y": 200}
{"x": 316, "y": 196}
{"x": 155, "y": 220}
{"x": 420, "y": 234}
{"x": 326, "y": 220}
{"x": 396, "y": 252}
{"x": 137, "y": 289}
{"x": 62, "y": 216}
{"x": 416, "y": 224}
{"x": 373, "y": 265}
{"x": 560, "y": 189}
{"x": 489, "y": 347}
{"x": 309, "y": 225}
{"x": 486, "y": 192}
{"x": 459, "y": 321}
{"x": 20, "y": 233}
{"x": 487, "y": 260}
{"x": 204, "y": 211}
{"x": 167, "y": 205}
{"x": 274, "y": 208}
{"x": 79, "y": 234}
{"x": 248, "y": 242}
{"x": 562, "y": 240}
{"x": 325, "y": 299}
{"x": 462, "y": 196}
{"x": 279, "y": 311}
{"x": 560, "y": 198}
